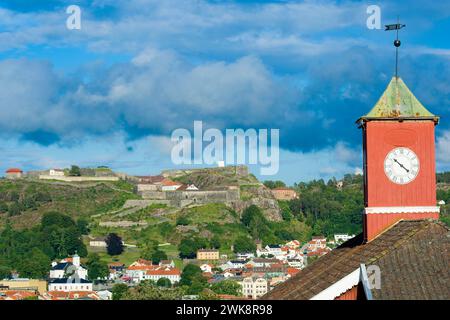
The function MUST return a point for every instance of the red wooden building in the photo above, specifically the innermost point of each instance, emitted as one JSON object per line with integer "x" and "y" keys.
{"x": 403, "y": 245}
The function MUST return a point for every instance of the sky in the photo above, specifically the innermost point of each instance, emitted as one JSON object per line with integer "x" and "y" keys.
{"x": 113, "y": 92}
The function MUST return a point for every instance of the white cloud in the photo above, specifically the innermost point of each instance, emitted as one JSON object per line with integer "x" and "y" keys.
{"x": 325, "y": 163}
{"x": 157, "y": 93}
{"x": 443, "y": 148}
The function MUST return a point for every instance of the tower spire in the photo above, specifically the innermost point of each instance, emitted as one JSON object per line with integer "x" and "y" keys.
{"x": 397, "y": 26}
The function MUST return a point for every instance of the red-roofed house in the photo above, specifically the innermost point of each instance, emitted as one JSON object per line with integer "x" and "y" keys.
{"x": 173, "y": 274}
{"x": 206, "y": 267}
{"x": 141, "y": 262}
{"x": 169, "y": 185}
{"x": 17, "y": 294}
{"x": 137, "y": 273}
{"x": 292, "y": 271}
{"x": 319, "y": 242}
{"x": 74, "y": 295}
{"x": 294, "y": 244}
{"x": 14, "y": 173}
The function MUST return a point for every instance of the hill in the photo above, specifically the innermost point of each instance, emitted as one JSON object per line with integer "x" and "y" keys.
{"x": 252, "y": 191}
{"x": 23, "y": 202}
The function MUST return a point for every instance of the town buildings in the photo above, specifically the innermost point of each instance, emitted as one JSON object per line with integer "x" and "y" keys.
{"x": 342, "y": 237}
{"x": 208, "y": 254}
{"x": 68, "y": 267}
{"x": 173, "y": 274}
{"x": 24, "y": 284}
{"x": 254, "y": 287}
{"x": 70, "y": 284}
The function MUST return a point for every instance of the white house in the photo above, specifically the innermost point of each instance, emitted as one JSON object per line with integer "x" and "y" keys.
{"x": 233, "y": 264}
{"x": 274, "y": 249}
{"x": 70, "y": 284}
{"x": 169, "y": 185}
{"x": 68, "y": 267}
{"x": 104, "y": 295}
{"x": 245, "y": 256}
{"x": 56, "y": 172}
{"x": 227, "y": 274}
{"x": 99, "y": 242}
{"x": 167, "y": 263}
{"x": 262, "y": 262}
{"x": 254, "y": 287}
{"x": 191, "y": 187}
{"x": 294, "y": 244}
{"x": 138, "y": 273}
{"x": 206, "y": 268}
{"x": 318, "y": 242}
{"x": 172, "y": 274}
{"x": 298, "y": 263}
{"x": 342, "y": 237}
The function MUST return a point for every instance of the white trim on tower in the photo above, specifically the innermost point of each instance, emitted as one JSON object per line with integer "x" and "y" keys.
{"x": 432, "y": 209}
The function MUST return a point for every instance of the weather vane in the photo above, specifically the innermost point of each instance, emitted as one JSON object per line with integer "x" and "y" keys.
{"x": 397, "y": 26}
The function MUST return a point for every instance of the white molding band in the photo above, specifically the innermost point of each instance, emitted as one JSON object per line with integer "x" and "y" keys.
{"x": 433, "y": 209}
{"x": 338, "y": 288}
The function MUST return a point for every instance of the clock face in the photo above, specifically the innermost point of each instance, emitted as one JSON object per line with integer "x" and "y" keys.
{"x": 401, "y": 165}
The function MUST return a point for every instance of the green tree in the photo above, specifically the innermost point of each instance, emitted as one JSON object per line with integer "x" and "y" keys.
{"x": 114, "y": 244}
{"x": 148, "y": 250}
{"x": 5, "y": 272}
{"x": 35, "y": 266}
{"x": 62, "y": 235}
{"x": 164, "y": 282}
{"x": 190, "y": 274}
{"x": 216, "y": 242}
{"x": 197, "y": 285}
{"x": 286, "y": 212}
{"x": 188, "y": 248}
{"x": 158, "y": 255}
{"x": 208, "y": 294}
{"x": 183, "y": 221}
{"x": 119, "y": 290}
{"x": 244, "y": 244}
{"x": 97, "y": 269}
{"x": 227, "y": 287}
{"x": 75, "y": 171}
{"x": 83, "y": 226}
{"x": 147, "y": 290}
{"x": 274, "y": 184}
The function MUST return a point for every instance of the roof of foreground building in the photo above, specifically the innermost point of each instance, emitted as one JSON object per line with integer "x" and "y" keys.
{"x": 413, "y": 258}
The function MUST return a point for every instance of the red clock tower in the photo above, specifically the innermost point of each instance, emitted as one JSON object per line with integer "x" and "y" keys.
{"x": 399, "y": 160}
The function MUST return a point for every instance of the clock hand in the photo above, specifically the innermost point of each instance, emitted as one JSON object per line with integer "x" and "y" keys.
{"x": 401, "y": 165}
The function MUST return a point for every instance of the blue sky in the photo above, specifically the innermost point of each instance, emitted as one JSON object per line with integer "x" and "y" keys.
{"x": 112, "y": 92}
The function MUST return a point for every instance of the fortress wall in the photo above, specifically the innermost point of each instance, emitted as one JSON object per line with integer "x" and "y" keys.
{"x": 77, "y": 179}
{"x": 154, "y": 195}
{"x": 184, "y": 198}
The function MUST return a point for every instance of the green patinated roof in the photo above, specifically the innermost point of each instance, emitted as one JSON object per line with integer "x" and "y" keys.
{"x": 398, "y": 102}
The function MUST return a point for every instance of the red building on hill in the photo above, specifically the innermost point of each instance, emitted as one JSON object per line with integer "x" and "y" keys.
{"x": 14, "y": 173}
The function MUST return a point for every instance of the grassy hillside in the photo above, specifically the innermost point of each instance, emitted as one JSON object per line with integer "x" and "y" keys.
{"x": 23, "y": 202}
